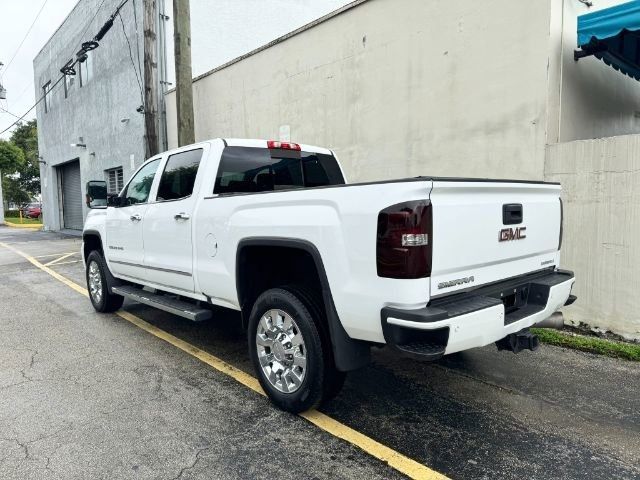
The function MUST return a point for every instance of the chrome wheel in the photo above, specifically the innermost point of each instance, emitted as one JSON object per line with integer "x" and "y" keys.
{"x": 95, "y": 282}
{"x": 281, "y": 351}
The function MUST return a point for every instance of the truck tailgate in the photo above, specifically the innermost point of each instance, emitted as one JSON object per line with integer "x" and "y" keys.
{"x": 478, "y": 237}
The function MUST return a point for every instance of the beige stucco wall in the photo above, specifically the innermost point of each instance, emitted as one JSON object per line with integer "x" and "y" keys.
{"x": 397, "y": 88}
{"x": 602, "y": 224}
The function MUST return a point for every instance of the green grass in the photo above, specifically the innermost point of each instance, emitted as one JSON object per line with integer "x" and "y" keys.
{"x": 25, "y": 221}
{"x": 627, "y": 351}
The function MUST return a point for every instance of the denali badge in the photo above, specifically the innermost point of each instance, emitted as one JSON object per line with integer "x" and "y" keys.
{"x": 508, "y": 234}
{"x": 458, "y": 281}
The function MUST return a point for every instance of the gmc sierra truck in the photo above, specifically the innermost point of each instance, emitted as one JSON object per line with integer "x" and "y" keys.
{"x": 321, "y": 270}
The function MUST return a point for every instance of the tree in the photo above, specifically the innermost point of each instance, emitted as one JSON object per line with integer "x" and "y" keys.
{"x": 11, "y": 160}
{"x": 11, "y": 157}
{"x": 19, "y": 167}
{"x": 25, "y": 136}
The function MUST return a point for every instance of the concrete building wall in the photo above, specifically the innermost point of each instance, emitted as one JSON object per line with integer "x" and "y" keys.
{"x": 222, "y": 30}
{"x": 602, "y": 223}
{"x": 596, "y": 100}
{"x": 397, "y": 88}
{"x": 93, "y": 112}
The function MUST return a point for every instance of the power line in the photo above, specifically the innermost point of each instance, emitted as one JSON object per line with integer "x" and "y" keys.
{"x": 90, "y": 22}
{"x": 7, "y": 111}
{"x": 135, "y": 71}
{"x": 86, "y": 46}
{"x": 30, "y": 85}
{"x": 25, "y": 36}
{"x": 135, "y": 22}
{"x": 34, "y": 105}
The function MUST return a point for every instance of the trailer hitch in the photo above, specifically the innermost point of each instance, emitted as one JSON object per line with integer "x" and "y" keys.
{"x": 516, "y": 342}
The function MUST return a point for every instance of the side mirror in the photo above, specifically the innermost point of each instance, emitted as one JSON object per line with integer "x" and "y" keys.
{"x": 97, "y": 194}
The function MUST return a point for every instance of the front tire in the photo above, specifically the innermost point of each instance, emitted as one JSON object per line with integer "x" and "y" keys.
{"x": 99, "y": 293}
{"x": 287, "y": 351}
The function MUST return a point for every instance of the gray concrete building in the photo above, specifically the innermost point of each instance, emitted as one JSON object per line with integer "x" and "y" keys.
{"x": 88, "y": 126}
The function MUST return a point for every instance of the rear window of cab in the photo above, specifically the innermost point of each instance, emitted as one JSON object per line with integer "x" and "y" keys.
{"x": 252, "y": 170}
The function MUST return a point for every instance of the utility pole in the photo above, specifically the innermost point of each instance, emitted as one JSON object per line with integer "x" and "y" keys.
{"x": 184, "y": 87}
{"x": 163, "y": 84}
{"x": 150, "y": 78}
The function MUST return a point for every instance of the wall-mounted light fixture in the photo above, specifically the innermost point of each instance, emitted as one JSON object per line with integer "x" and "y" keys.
{"x": 125, "y": 120}
{"x": 81, "y": 145}
{"x": 41, "y": 160}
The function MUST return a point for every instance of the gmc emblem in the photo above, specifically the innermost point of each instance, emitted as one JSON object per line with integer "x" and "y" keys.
{"x": 509, "y": 234}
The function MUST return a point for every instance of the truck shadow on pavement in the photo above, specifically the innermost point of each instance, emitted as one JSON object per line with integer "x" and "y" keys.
{"x": 481, "y": 413}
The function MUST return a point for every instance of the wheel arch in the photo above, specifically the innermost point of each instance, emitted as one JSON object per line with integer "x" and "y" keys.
{"x": 91, "y": 240}
{"x": 349, "y": 354}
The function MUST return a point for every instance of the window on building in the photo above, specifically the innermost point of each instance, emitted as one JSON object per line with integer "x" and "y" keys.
{"x": 248, "y": 169}
{"x": 69, "y": 80}
{"x": 179, "y": 175}
{"x": 46, "y": 93}
{"x": 115, "y": 180}
{"x": 86, "y": 69}
{"x": 140, "y": 185}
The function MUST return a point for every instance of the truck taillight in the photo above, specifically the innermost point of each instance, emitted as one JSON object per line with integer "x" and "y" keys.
{"x": 404, "y": 243}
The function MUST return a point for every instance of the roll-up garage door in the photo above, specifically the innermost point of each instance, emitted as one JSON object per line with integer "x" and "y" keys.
{"x": 71, "y": 196}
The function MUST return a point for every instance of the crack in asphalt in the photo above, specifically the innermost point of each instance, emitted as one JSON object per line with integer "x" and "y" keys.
{"x": 193, "y": 465}
{"x": 24, "y": 446}
{"x": 228, "y": 438}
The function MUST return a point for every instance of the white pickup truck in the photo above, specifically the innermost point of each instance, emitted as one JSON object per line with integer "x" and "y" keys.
{"x": 322, "y": 270}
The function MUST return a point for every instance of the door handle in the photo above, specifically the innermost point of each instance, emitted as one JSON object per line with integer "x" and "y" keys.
{"x": 136, "y": 218}
{"x": 182, "y": 216}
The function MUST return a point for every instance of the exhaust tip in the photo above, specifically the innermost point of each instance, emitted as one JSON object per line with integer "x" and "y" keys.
{"x": 556, "y": 321}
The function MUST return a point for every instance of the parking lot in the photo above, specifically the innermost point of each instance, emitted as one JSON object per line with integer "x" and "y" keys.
{"x": 84, "y": 395}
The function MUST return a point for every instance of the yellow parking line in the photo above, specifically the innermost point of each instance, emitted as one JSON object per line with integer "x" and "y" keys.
{"x": 52, "y": 255}
{"x": 42, "y": 267}
{"x": 54, "y": 262}
{"x": 66, "y": 263}
{"x": 394, "y": 459}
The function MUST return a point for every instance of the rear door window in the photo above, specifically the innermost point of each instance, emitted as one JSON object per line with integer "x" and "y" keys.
{"x": 250, "y": 170}
{"x": 179, "y": 175}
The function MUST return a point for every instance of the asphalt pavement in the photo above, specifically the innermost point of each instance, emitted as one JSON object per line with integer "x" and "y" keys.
{"x": 85, "y": 395}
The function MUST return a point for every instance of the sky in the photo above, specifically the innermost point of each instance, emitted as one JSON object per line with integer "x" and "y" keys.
{"x": 17, "y": 75}
{"x": 221, "y": 30}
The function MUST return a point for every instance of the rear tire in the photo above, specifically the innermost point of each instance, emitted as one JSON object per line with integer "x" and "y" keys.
{"x": 333, "y": 378}
{"x": 99, "y": 292}
{"x": 287, "y": 351}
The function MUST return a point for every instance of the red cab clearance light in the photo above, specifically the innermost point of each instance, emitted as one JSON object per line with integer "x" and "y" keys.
{"x": 404, "y": 242}
{"x": 272, "y": 144}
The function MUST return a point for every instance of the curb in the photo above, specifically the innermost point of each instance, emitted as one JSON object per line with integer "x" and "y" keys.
{"x": 18, "y": 225}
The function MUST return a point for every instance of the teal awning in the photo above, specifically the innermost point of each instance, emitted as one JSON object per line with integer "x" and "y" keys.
{"x": 612, "y": 35}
